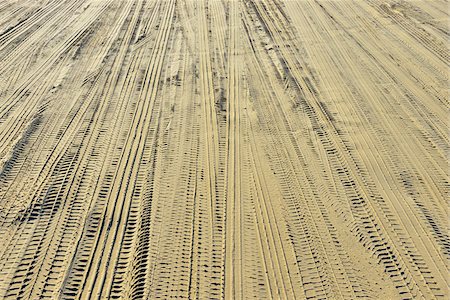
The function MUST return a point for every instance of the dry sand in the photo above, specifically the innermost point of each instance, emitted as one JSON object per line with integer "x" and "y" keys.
{"x": 260, "y": 149}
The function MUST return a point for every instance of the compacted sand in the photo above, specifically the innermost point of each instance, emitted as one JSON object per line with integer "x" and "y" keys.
{"x": 211, "y": 149}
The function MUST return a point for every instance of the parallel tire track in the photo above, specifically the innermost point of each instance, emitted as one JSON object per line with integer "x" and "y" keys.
{"x": 224, "y": 149}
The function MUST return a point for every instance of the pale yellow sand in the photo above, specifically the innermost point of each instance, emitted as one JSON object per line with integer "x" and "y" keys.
{"x": 251, "y": 149}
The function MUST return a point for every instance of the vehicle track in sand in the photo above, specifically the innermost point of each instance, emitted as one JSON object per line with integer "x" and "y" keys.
{"x": 224, "y": 149}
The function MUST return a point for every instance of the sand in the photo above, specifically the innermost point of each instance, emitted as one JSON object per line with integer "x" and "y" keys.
{"x": 252, "y": 149}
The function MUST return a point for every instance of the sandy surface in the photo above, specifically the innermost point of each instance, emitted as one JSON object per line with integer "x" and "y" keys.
{"x": 260, "y": 149}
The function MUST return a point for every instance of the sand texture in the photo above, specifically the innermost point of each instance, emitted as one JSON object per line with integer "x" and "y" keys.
{"x": 224, "y": 149}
